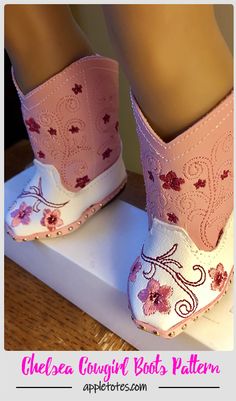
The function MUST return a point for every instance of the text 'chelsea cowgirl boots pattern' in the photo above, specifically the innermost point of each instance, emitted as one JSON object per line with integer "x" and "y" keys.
{"x": 72, "y": 122}
{"x": 186, "y": 263}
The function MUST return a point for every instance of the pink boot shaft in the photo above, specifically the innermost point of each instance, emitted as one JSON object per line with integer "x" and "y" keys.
{"x": 72, "y": 120}
{"x": 189, "y": 181}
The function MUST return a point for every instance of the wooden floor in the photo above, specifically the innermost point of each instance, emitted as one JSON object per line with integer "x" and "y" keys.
{"x": 36, "y": 317}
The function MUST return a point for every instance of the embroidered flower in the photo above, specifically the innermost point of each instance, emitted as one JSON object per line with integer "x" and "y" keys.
{"x": 33, "y": 126}
{"x": 52, "y": 131}
{"x": 107, "y": 153}
{"x": 172, "y": 218}
{"x": 74, "y": 129}
{"x": 171, "y": 181}
{"x": 41, "y": 155}
{"x": 155, "y": 298}
{"x": 225, "y": 174}
{"x": 150, "y": 176}
{"x": 82, "y": 181}
{"x": 200, "y": 184}
{"x": 77, "y": 89}
{"x": 21, "y": 215}
{"x": 106, "y": 118}
{"x": 219, "y": 276}
{"x": 117, "y": 126}
{"x": 135, "y": 269}
{"x": 51, "y": 219}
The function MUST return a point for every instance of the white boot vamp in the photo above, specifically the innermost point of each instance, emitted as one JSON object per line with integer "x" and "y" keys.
{"x": 46, "y": 207}
{"x": 172, "y": 281}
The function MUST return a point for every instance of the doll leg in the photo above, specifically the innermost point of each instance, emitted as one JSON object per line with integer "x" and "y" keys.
{"x": 175, "y": 58}
{"x": 41, "y": 40}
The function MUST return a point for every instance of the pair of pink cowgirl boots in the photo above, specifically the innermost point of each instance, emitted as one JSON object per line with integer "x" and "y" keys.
{"x": 186, "y": 263}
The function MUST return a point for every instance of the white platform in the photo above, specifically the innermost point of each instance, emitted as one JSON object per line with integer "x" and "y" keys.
{"x": 90, "y": 268}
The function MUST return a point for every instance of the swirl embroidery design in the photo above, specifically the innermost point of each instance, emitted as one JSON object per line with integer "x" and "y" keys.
{"x": 37, "y": 193}
{"x": 184, "y": 307}
{"x": 194, "y": 191}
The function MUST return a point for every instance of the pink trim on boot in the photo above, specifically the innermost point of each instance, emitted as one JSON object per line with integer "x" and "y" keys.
{"x": 72, "y": 120}
{"x": 189, "y": 181}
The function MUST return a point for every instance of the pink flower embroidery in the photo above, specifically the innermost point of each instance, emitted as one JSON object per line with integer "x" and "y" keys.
{"x": 117, "y": 125}
{"x": 73, "y": 129}
{"x": 52, "y": 131}
{"x": 219, "y": 276}
{"x": 33, "y": 126}
{"x": 21, "y": 215}
{"x": 171, "y": 181}
{"x": 135, "y": 269}
{"x": 107, "y": 153}
{"x": 106, "y": 118}
{"x": 150, "y": 176}
{"x": 200, "y": 184}
{"x": 51, "y": 219}
{"x": 225, "y": 174}
{"x": 41, "y": 155}
{"x": 155, "y": 298}
{"x": 82, "y": 181}
{"x": 172, "y": 218}
{"x": 77, "y": 89}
